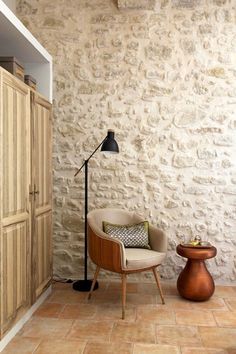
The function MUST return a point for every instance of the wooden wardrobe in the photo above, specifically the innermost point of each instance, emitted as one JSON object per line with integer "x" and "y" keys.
{"x": 25, "y": 198}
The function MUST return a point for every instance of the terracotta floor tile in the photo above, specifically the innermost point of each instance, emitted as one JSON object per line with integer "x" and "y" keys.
{"x": 231, "y": 351}
{"x": 155, "y": 349}
{"x": 91, "y": 329}
{"x": 170, "y": 289}
{"x": 108, "y": 348}
{"x": 78, "y": 311}
{"x": 114, "y": 286}
{"x": 155, "y": 314}
{"x": 67, "y": 297}
{"x": 148, "y": 288}
{"x": 59, "y": 346}
{"x": 194, "y": 318}
{"x": 48, "y": 309}
{"x": 130, "y": 287}
{"x": 44, "y": 328}
{"x": 178, "y": 335}
{"x": 102, "y": 285}
{"x": 225, "y": 291}
{"x": 140, "y": 299}
{"x": 214, "y": 303}
{"x": 133, "y": 332}
{"x": 202, "y": 350}
{"x": 21, "y": 345}
{"x": 218, "y": 337}
{"x": 225, "y": 318}
{"x": 178, "y": 303}
{"x": 231, "y": 303}
{"x": 114, "y": 312}
{"x": 106, "y": 297}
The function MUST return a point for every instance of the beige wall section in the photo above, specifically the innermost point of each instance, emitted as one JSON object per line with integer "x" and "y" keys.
{"x": 11, "y": 4}
{"x": 165, "y": 80}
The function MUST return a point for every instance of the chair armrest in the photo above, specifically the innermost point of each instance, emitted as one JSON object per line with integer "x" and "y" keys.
{"x": 157, "y": 239}
{"x": 106, "y": 252}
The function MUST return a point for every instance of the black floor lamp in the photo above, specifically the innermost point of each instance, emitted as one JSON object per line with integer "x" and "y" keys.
{"x": 110, "y": 145}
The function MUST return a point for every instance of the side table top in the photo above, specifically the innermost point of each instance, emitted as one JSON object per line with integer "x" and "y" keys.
{"x": 200, "y": 253}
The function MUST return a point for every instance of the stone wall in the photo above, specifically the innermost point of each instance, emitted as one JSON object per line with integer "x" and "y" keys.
{"x": 165, "y": 80}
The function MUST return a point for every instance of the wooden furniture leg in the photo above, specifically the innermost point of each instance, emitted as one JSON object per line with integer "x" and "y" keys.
{"x": 94, "y": 282}
{"x": 123, "y": 295}
{"x": 156, "y": 275}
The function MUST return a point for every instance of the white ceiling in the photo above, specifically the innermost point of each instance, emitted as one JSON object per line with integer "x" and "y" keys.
{"x": 11, "y": 4}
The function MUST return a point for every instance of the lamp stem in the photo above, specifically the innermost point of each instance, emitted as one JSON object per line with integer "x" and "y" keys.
{"x": 85, "y": 215}
{"x": 85, "y": 284}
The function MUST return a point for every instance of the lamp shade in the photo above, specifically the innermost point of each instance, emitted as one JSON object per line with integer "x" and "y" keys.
{"x": 110, "y": 144}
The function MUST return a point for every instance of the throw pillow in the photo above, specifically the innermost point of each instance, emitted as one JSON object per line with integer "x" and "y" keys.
{"x": 135, "y": 235}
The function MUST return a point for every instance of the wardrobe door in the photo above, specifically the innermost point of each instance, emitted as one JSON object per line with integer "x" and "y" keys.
{"x": 42, "y": 189}
{"x": 15, "y": 212}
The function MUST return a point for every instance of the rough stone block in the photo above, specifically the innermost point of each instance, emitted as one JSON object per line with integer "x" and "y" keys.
{"x": 134, "y": 4}
{"x": 181, "y": 161}
{"x": 189, "y": 4}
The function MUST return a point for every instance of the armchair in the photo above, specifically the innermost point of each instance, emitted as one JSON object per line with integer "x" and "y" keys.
{"x": 109, "y": 253}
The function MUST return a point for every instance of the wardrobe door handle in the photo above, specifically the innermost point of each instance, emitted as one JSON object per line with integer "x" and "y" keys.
{"x": 35, "y": 191}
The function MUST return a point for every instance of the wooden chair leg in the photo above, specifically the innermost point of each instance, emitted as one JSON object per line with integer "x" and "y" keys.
{"x": 156, "y": 275}
{"x": 123, "y": 295}
{"x": 94, "y": 282}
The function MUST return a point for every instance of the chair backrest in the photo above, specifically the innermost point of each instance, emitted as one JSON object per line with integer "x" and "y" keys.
{"x": 114, "y": 216}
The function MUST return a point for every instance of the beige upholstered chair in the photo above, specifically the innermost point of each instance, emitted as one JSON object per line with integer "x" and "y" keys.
{"x": 109, "y": 253}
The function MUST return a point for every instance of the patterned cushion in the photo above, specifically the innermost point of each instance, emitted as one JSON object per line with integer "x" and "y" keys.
{"x": 135, "y": 235}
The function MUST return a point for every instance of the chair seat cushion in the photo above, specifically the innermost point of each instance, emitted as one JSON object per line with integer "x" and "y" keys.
{"x": 138, "y": 258}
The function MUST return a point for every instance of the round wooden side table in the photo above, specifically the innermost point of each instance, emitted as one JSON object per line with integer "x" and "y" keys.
{"x": 195, "y": 282}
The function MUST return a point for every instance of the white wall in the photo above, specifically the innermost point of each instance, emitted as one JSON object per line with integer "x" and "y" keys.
{"x": 11, "y": 4}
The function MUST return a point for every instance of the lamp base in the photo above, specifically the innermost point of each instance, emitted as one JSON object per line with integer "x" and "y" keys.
{"x": 84, "y": 285}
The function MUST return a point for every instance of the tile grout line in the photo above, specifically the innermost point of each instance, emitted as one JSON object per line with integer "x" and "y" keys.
{"x": 69, "y": 330}
{"x": 217, "y": 324}
{"x": 199, "y": 335}
{"x": 226, "y": 304}
{"x": 174, "y": 311}
{"x": 34, "y": 351}
{"x": 86, "y": 342}
{"x": 132, "y": 348}
{"x": 62, "y": 309}
{"x": 155, "y": 333}
{"x": 111, "y": 331}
